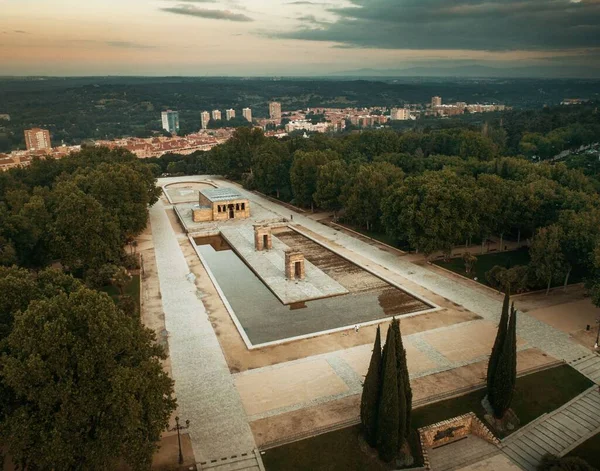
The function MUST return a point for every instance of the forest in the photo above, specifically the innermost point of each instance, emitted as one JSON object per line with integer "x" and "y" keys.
{"x": 432, "y": 190}
{"x": 79, "y": 109}
{"x": 81, "y": 379}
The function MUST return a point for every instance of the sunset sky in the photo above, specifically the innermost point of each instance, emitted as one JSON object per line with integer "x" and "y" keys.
{"x": 291, "y": 37}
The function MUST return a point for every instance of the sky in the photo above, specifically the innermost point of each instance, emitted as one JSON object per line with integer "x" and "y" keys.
{"x": 293, "y": 37}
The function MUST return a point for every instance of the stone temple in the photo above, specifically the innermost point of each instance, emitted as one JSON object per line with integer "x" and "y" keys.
{"x": 220, "y": 204}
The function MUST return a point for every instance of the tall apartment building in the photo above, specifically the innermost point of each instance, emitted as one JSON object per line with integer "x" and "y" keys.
{"x": 275, "y": 110}
{"x": 37, "y": 139}
{"x": 204, "y": 119}
{"x": 399, "y": 114}
{"x": 230, "y": 113}
{"x": 436, "y": 101}
{"x": 170, "y": 121}
{"x": 216, "y": 115}
{"x": 247, "y": 113}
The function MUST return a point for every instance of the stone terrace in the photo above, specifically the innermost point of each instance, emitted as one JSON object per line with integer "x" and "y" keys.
{"x": 269, "y": 265}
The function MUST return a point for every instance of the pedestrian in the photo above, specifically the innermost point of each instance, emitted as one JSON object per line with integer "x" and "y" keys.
{"x": 356, "y": 328}
{"x": 291, "y": 217}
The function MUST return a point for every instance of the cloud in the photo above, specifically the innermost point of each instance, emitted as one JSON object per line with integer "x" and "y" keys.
{"x": 129, "y": 45}
{"x": 191, "y": 10}
{"x": 484, "y": 25}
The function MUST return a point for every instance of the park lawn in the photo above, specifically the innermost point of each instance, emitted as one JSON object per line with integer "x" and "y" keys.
{"x": 509, "y": 259}
{"x": 535, "y": 394}
{"x": 589, "y": 450}
{"x": 131, "y": 289}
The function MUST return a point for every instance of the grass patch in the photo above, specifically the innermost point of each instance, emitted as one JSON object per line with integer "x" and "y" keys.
{"x": 588, "y": 450}
{"x": 130, "y": 289}
{"x": 535, "y": 394}
{"x": 510, "y": 259}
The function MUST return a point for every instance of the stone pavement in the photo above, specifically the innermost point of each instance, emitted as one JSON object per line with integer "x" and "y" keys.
{"x": 204, "y": 387}
{"x": 557, "y": 432}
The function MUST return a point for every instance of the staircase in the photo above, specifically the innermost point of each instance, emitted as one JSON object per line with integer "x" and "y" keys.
{"x": 250, "y": 461}
{"x": 588, "y": 366}
{"x": 558, "y": 432}
{"x": 460, "y": 453}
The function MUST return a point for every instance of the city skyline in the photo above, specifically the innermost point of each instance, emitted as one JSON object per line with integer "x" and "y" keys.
{"x": 268, "y": 37}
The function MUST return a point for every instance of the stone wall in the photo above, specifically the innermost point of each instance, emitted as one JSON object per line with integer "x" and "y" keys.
{"x": 451, "y": 430}
{"x": 202, "y": 214}
{"x": 291, "y": 258}
{"x": 260, "y": 232}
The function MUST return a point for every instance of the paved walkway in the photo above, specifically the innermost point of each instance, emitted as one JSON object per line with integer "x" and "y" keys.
{"x": 205, "y": 391}
{"x": 557, "y": 432}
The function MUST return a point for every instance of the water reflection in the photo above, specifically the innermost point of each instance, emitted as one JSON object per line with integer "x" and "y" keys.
{"x": 266, "y": 319}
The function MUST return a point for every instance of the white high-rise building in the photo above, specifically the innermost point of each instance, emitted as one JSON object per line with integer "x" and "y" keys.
{"x": 399, "y": 114}
{"x": 275, "y": 110}
{"x": 230, "y": 113}
{"x": 247, "y": 113}
{"x": 436, "y": 101}
{"x": 204, "y": 119}
{"x": 170, "y": 121}
{"x": 216, "y": 115}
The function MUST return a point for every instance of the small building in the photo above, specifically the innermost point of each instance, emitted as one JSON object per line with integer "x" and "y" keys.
{"x": 220, "y": 204}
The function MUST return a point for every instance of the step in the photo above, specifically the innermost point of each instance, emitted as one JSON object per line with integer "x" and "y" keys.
{"x": 460, "y": 453}
{"x": 249, "y": 461}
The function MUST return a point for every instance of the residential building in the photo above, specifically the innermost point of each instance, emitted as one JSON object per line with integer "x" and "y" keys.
{"x": 170, "y": 121}
{"x": 399, "y": 114}
{"x": 37, "y": 139}
{"x": 436, "y": 101}
{"x": 230, "y": 113}
{"x": 247, "y": 113}
{"x": 204, "y": 119}
{"x": 275, "y": 110}
{"x": 216, "y": 115}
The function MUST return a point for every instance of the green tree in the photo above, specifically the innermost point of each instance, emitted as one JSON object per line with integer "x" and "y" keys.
{"x": 366, "y": 190}
{"x": 498, "y": 344}
{"x": 271, "y": 167}
{"x": 433, "y": 211}
{"x": 388, "y": 423}
{"x": 369, "y": 403}
{"x": 547, "y": 259}
{"x": 470, "y": 261}
{"x": 304, "y": 174}
{"x": 84, "y": 234}
{"x": 404, "y": 389}
{"x": 87, "y": 384}
{"x": 331, "y": 180}
{"x": 505, "y": 374}
{"x": 551, "y": 462}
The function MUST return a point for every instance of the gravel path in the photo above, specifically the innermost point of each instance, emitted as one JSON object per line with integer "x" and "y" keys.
{"x": 204, "y": 386}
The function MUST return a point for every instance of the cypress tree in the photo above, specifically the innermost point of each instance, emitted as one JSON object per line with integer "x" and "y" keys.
{"x": 369, "y": 402}
{"x": 505, "y": 376}
{"x": 404, "y": 388}
{"x": 388, "y": 415}
{"x": 498, "y": 343}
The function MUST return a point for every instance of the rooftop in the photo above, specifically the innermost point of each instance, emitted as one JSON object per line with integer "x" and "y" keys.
{"x": 221, "y": 194}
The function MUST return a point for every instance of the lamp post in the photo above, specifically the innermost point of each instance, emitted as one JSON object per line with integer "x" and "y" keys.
{"x": 598, "y": 332}
{"x": 178, "y": 428}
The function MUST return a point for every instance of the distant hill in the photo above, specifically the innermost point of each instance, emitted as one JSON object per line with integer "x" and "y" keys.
{"x": 476, "y": 71}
